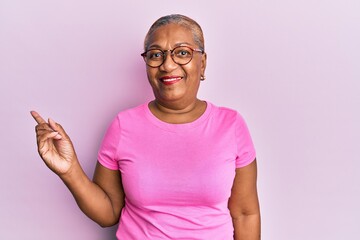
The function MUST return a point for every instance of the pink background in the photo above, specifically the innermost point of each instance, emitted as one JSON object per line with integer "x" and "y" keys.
{"x": 292, "y": 68}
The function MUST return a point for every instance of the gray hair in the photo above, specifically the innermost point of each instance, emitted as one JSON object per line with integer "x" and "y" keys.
{"x": 181, "y": 20}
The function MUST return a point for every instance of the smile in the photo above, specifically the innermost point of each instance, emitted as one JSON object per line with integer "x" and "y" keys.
{"x": 169, "y": 80}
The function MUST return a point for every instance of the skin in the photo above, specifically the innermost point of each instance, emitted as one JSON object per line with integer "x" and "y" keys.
{"x": 244, "y": 204}
{"x": 102, "y": 198}
{"x": 177, "y": 103}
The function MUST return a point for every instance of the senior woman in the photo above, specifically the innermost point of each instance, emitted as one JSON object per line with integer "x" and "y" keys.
{"x": 176, "y": 167}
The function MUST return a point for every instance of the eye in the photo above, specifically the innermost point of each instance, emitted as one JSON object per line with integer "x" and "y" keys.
{"x": 155, "y": 55}
{"x": 183, "y": 53}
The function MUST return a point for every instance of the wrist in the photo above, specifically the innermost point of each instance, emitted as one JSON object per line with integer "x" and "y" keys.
{"x": 74, "y": 175}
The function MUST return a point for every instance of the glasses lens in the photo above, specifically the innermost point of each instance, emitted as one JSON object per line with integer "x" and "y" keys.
{"x": 182, "y": 55}
{"x": 154, "y": 57}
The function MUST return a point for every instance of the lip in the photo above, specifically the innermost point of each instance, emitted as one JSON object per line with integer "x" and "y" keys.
{"x": 170, "y": 80}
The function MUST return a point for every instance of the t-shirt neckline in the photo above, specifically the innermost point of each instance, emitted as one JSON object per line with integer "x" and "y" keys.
{"x": 177, "y": 126}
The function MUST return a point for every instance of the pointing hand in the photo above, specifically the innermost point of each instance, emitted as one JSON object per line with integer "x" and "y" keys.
{"x": 54, "y": 145}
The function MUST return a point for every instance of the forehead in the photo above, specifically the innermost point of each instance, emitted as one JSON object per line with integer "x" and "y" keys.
{"x": 171, "y": 35}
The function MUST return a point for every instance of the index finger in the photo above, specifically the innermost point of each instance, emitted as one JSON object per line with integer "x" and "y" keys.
{"x": 37, "y": 117}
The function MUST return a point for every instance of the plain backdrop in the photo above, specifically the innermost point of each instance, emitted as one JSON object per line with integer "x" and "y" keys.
{"x": 291, "y": 68}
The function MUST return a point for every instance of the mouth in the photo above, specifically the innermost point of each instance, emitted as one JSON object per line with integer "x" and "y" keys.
{"x": 169, "y": 80}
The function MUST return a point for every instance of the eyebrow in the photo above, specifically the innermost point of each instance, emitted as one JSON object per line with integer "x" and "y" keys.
{"x": 155, "y": 46}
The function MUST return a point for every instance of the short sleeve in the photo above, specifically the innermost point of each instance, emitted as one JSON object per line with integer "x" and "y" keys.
{"x": 245, "y": 147}
{"x": 109, "y": 146}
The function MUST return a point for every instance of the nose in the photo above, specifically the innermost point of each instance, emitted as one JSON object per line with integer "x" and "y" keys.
{"x": 168, "y": 64}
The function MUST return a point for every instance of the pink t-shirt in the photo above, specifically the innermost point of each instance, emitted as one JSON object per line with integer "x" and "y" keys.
{"x": 177, "y": 178}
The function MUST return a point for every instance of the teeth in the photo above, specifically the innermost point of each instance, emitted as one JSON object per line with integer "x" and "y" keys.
{"x": 171, "y": 79}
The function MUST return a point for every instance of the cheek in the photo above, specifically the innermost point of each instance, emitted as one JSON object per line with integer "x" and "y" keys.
{"x": 193, "y": 70}
{"x": 151, "y": 73}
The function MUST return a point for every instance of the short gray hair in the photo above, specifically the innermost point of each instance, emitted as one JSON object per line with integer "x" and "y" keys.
{"x": 181, "y": 20}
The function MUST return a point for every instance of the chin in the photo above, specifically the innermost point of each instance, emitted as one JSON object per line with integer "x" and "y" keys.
{"x": 170, "y": 97}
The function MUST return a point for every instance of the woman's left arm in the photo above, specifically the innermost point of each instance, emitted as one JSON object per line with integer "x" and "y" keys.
{"x": 244, "y": 204}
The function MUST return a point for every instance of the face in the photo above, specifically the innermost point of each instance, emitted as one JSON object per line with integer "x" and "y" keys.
{"x": 171, "y": 82}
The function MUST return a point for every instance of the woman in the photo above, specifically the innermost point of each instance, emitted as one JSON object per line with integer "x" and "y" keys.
{"x": 173, "y": 168}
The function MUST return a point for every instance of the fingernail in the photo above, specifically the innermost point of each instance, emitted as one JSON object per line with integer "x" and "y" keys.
{"x": 58, "y": 137}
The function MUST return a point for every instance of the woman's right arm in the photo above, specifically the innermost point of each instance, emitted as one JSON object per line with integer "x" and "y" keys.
{"x": 101, "y": 199}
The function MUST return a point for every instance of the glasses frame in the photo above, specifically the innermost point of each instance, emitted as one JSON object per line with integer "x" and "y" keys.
{"x": 164, "y": 52}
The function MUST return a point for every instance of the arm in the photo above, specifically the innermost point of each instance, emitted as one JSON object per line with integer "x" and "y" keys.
{"x": 244, "y": 205}
{"x": 101, "y": 199}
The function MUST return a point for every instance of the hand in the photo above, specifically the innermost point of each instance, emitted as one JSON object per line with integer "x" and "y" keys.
{"x": 54, "y": 145}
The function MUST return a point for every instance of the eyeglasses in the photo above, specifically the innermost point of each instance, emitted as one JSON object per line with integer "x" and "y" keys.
{"x": 181, "y": 55}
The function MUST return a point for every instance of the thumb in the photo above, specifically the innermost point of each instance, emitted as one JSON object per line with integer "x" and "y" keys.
{"x": 57, "y": 128}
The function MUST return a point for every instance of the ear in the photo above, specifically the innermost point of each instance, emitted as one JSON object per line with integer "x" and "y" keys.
{"x": 203, "y": 64}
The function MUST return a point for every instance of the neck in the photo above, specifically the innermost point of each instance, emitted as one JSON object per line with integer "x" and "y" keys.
{"x": 178, "y": 114}
{"x": 171, "y": 108}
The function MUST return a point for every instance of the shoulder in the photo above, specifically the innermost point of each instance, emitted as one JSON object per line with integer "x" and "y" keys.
{"x": 225, "y": 113}
{"x": 227, "y": 117}
{"x": 133, "y": 117}
{"x": 132, "y": 112}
